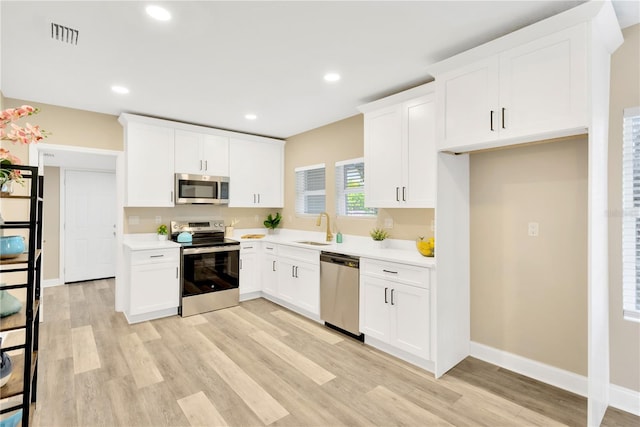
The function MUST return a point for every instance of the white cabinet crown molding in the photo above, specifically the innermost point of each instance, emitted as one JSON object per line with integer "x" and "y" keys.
{"x": 126, "y": 118}
{"x": 600, "y": 12}
{"x": 398, "y": 98}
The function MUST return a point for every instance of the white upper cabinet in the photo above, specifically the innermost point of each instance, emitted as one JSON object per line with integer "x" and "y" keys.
{"x": 531, "y": 92}
{"x": 400, "y": 150}
{"x": 149, "y": 165}
{"x": 201, "y": 154}
{"x": 256, "y": 173}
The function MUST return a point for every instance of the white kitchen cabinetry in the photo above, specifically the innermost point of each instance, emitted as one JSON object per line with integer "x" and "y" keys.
{"x": 299, "y": 278}
{"x": 269, "y": 269}
{"x": 400, "y": 150}
{"x": 533, "y": 91}
{"x": 256, "y": 173}
{"x": 201, "y": 154}
{"x": 154, "y": 283}
{"x": 149, "y": 178}
{"x": 249, "y": 268}
{"x": 395, "y": 306}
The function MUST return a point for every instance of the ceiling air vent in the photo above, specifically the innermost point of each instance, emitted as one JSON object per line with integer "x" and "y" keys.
{"x": 64, "y": 34}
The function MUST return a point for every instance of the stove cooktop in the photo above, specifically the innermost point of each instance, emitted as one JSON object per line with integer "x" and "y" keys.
{"x": 203, "y": 233}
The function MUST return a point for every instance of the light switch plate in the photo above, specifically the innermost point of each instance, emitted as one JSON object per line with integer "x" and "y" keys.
{"x": 134, "y": 220}
{"x": 388, "y": 223}
{"x": 534, "y": 229}
{"x": 158, "y": 219}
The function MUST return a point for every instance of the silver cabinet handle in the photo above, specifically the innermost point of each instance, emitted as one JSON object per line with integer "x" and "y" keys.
{"x": 389, "y": 271}
{"x": 248, "y": 247}
{"x": 156, "y": 256}
{"x": 385, "y": 295}
{"x": 274, "y": 265}
{"x": 392, "y": 296}
{"x": 258, "y": 197}
{"x": 293, "y": 268}
{"x": 254, "y": 198}
{"x": 200, "y": 164}
{"x": 296, "y": 271}
{"x": 491, "y": 120}
{"x": 404, "y": 196}
{"x": 176, "y": 272}
{"x": 240, "y": 263}
{"x": 503, "y": 125}
{"x": 397, "y": 194}
{"x": 206, "y": 165}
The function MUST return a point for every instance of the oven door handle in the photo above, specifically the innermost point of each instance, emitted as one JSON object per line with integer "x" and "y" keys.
{"x": 210, "y": 249}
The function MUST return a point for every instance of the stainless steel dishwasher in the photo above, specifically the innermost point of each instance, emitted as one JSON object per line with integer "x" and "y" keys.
{"x": 340, "y": 292}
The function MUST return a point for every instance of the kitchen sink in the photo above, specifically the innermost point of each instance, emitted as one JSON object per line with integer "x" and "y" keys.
{"x": 309, "y": 242}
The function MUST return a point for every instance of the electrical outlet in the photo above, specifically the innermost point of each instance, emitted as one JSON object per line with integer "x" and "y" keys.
{"x": 158, "y": 219}
{"x": 256, "y": 218}
{"x": 388, "y": 223}
{"x": 534, "y": 229}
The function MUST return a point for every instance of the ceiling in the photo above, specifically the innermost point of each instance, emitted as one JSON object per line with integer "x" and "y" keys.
{"x": 215, "y": 62}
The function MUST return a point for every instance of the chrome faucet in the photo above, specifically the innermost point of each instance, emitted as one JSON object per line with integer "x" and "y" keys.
{"x": 329, "y": 235}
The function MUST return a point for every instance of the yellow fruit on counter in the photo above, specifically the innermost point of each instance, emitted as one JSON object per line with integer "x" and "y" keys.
{"x": 426, "y": 247}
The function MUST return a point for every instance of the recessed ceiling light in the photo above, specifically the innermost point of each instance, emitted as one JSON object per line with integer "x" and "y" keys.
{"x": 250, "y": 116}
{"x": 120, "y": 89}
{"x": 332, "y": 77}
{"x": 159, "y": 13}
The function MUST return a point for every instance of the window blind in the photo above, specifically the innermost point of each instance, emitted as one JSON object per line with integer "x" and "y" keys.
{"x": 631, "y": 213}
{"x": 310, "y": 189}
{"x": 350, "y": 189}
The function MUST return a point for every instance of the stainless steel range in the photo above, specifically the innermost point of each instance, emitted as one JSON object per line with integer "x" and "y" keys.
{"x": 210, "y": 266}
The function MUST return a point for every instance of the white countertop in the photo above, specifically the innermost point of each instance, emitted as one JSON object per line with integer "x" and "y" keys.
{"x": 146, "y": 241}
{"x": 400, "y": 251}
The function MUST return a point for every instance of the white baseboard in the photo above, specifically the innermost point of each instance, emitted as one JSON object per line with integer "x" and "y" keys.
{"x": 539, "y": 371}
{"x": 619, "y": 397}
{"x": 624, "y": 399}
{"x": 49, "y": 283}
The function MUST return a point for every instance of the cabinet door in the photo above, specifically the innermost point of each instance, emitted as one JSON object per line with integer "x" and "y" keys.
{"x": 543, "y": 85}
{"x": 256, "y": 174}
{"x": 149, "y": 157}
{"x": 215, "y": 155}
{"x": 383, "y": 157}
{"x": 286, "y": 280}
{"x": 188, "y": 157}
{"x": 419, "y": 189}
{"x": 269, "y": 273}
{"x": 468, "y": 105}
{"x": 410, "y": 319}
{"x": 374, "y": 308}
{"x": 307, "y": 277}
{"x": 154, "y": 287}
{"x": 249, "y": 277}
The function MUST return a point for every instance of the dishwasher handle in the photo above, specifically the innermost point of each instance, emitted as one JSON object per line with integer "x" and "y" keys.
{"x": 340, "y": 259}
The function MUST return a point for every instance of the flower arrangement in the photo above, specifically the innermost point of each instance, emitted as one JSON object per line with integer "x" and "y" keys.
{"x": 14, "y": 133}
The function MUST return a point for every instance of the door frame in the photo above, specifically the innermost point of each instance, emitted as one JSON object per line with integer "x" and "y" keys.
{"x": 37, "y": 158}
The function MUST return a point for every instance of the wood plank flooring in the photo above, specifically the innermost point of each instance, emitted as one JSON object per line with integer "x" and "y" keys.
{"x": 259, "y": 364}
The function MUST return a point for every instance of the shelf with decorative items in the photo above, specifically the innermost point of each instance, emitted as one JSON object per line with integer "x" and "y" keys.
{"x": 21, "y": 268}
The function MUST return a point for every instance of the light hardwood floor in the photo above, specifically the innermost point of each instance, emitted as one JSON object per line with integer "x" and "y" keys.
{"x": 259, "y": 364}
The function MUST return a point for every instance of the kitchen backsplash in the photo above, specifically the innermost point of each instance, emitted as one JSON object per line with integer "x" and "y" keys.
{"x": 406, "y": 224}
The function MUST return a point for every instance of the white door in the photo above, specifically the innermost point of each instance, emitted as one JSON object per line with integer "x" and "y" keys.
{"x": 89, "y": 225}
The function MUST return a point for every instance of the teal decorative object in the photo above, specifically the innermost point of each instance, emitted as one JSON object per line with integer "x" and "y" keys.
{"x": 12, "y": 421}
{"x": 11, "y": 246}
{"x": 8, "y": 304}
{"x": 6, "y": 367}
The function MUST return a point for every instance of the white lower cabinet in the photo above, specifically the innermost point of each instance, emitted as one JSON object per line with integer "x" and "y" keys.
{"x": 154, "y": 283}
{"x": 395, "y": 306}
{"x": 269, "y": 269}
{"x": 249, "y": 268}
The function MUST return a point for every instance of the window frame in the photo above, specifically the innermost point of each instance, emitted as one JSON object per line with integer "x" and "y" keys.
{"x": 631, "y": 214}
{"x": 301, "y": 196}
{"x": 341, "y": 191}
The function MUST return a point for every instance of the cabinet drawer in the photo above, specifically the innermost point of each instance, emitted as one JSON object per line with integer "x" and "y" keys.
{"x": 270, "y": 248}
{"x": 155, "y": 256}
{"x": 409, "y": 274}
{"x": 308, "y": 255}
{"x": 249, "y": 247}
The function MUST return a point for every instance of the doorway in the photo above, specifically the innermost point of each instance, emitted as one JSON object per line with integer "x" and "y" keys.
{"x": 89, "y": 225}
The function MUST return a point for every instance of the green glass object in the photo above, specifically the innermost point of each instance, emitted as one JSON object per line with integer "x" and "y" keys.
{"x": 8, "y": 304}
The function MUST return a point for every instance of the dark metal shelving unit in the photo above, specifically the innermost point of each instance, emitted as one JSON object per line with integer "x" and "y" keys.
{"x": 21, "y": 390}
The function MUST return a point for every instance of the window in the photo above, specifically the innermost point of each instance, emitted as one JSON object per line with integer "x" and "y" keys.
{"x": 350, "y": 189}
{"x": 631, "y": 213}
{"x": 310, "y": 189}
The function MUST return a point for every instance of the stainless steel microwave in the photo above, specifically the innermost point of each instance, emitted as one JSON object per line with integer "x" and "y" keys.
{"x": 201, "y": 189}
